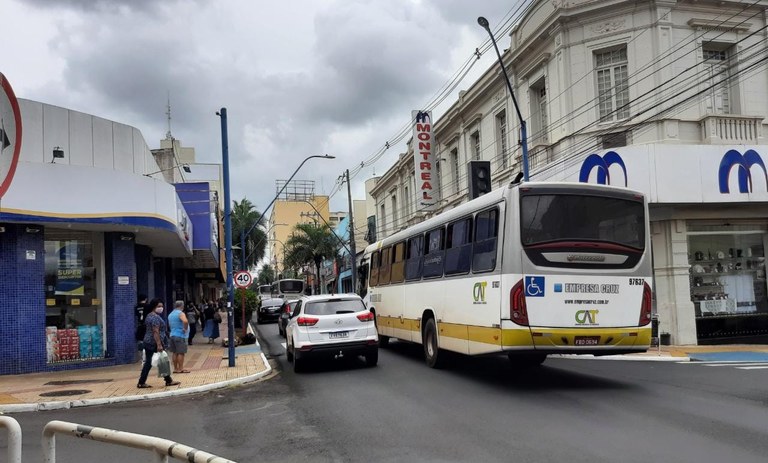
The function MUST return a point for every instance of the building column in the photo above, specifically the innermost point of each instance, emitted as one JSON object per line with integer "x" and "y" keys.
{"x": 672, "y": 281}
{"x": 121, "y": 297}
{"x": 22, "y": 331}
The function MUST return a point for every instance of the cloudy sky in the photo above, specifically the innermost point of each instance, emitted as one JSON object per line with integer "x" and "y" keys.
{"x": 298, "y": 77}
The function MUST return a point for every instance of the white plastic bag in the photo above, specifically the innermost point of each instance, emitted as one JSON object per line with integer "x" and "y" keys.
{"x": 163, "y": 364}
{"x": 155, "y": 358}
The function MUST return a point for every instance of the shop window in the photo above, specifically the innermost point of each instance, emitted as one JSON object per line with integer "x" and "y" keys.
{"x": 73, "y": 296}
{"x": 728, "y": 281}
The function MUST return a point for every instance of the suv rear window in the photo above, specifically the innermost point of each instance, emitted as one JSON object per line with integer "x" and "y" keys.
{"x": 334, "y": 306}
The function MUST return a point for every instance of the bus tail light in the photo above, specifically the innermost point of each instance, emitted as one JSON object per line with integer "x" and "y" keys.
{"x": 365, "y": 317}
{"x": 646, "y": 307}
{"x": 307, "y": 321}
{"x": 519, "y": 312}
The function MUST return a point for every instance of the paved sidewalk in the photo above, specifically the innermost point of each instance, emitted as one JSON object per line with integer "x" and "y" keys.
{"x": 208, "y": 365}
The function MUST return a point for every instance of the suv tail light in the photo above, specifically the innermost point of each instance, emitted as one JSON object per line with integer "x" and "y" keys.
{"x": 366, "y": 317}
{"x": 307, "y": 321}
{"x": 646, "y": 306}
{"x": 287, "y": 308}
{"x": 519, "y": 311}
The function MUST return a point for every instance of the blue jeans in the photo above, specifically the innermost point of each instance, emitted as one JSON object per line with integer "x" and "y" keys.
{"x": 149, "y": 351}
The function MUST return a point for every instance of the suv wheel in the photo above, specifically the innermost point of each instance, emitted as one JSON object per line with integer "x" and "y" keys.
{"x": 289, "y": 354}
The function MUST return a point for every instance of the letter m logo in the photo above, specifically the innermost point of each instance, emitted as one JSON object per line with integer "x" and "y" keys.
{"x": 743, "y": 164}
{"x": 602, "y": 164}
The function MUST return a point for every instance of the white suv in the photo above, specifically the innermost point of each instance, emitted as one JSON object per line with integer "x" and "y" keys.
{"x": 331, "y": 325}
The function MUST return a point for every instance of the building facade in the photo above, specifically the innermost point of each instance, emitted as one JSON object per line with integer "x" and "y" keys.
{"x": 86, "y": 225}
{"x": 666, "y": 97}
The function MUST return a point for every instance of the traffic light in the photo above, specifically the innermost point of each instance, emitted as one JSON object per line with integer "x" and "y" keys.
{"x": 479, "y": 178}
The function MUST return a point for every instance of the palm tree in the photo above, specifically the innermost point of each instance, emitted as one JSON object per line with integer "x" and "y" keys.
{"x": 244, "y": 215}
{"x": 310, "y": 244}
{"x": 266, "y": 275}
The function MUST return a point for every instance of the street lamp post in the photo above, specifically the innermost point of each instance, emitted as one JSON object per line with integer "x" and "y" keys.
{"x": 523, "y": 130}
{"x": 228, "y": 237}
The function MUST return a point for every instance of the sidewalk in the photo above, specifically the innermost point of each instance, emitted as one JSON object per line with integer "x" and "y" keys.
{"x": 208, "y": 364}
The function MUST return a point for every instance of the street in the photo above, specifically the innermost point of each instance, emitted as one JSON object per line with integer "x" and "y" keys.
{"x": 477, "y": 410}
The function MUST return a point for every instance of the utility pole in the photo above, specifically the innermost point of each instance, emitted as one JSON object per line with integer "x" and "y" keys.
{"x": 228, "y": 237}
{"x": 352, "y": 248}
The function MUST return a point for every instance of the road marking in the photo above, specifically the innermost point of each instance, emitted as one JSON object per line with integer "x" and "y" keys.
{"x": 753, "y": 368}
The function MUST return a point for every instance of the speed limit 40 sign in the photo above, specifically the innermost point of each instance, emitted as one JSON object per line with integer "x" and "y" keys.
{"x": 243, "y": 279}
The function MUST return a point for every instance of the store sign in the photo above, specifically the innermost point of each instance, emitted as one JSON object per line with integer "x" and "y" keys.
{"x": 602, "y": 166}
{"x": 10, "y": 134}
{"x": 424, "y": 160}
{"x": 743, "y": 163}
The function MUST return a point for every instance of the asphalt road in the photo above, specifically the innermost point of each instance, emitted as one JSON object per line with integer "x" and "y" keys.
{"x": 478, "y": 410}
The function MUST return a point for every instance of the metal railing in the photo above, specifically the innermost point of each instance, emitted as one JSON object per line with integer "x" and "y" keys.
{"x": 14, "y": 438}
{"x": 162, "y": 449}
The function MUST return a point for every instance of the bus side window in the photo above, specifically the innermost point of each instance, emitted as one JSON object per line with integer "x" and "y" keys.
{"x": 458, "y": 254}
{"x": 375, "y": 259}
{"x": 486, "y": 232}
{"x": 414, "y": 258}
{"x": 433, "y": 259}
{"x": 385, "y": 271}
{"x": 398, "y": 262}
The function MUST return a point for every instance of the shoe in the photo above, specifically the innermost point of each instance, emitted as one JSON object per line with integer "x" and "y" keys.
{"x": 174, "y": 383}
{"x": 143, "y": 386}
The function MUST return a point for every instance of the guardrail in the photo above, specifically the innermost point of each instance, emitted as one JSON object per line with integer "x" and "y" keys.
{"x": 14, "y": 438}
{"x": 161, "y": 448}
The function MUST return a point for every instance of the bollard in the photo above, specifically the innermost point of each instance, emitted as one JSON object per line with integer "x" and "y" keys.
{"x": 14, "y": 438}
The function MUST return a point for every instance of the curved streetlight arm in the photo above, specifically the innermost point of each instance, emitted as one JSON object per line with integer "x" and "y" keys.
{"x": 262, "y": 239}
{"x": 523, "y": 129}
{"x": 242, "y": 235}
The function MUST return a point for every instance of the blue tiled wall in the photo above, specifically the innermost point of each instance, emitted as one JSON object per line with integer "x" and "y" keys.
{"x": 22, "y": 296}
{"x": 120, "y": 300}
{"x": 143, "y": 263}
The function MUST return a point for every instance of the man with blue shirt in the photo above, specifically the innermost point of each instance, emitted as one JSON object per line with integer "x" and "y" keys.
{"x": 179, "y": 325}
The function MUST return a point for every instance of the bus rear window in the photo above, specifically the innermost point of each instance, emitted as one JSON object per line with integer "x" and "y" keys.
{"x": 552, "y": 218}
{"x": 291, "y": 286}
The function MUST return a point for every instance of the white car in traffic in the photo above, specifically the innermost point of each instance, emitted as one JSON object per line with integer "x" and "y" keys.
{"x": 331, "y": 326}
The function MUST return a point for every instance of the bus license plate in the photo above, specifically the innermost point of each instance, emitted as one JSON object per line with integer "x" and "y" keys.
{"x": 586, "y": 340}
{"x": 338, "y": 334}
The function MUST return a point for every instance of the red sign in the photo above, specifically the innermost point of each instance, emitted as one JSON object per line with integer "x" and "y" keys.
{"x": 424, "y": 160}
{"x": 10, "y": 134}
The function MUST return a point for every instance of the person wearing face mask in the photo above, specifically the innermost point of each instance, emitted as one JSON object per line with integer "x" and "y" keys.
{"x": 155, "y": 340}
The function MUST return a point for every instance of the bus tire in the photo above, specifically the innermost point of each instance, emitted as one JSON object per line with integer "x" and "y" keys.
{"x": 527, "y": 360}
{"x": 432, "y": 354}
{"x": 383, "y": 341}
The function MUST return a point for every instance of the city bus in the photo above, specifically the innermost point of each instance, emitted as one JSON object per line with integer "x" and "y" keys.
{"x": 288, "y": 288}
{"x": 526, "y": 270}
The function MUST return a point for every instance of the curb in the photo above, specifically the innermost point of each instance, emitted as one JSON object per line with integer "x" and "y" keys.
{"x": 631, "y": 357}
{"x": 65, "y": 404}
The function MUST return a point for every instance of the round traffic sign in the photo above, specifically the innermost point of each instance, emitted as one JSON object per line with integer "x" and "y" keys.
{"x": 243, "y": 279}
{"x": 10, "y": 134}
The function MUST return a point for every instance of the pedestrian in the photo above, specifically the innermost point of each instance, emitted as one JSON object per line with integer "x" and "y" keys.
{"x": 211, "y": 330}
{"x": 193, "y": 315}
{"x": 177, "y": 321}
{"x": 155, "y": 340}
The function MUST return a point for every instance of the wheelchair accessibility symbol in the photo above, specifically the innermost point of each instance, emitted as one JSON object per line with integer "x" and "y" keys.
{"x": 534, "y": 286}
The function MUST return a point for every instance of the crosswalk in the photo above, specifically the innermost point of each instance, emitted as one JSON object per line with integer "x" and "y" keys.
{"x": 732, "y": 364}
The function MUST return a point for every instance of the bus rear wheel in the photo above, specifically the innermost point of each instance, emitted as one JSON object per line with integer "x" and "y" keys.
{"x": 527, "y": 360}
{"x": 432, "y": 354}
{"x": 383, "y": 341}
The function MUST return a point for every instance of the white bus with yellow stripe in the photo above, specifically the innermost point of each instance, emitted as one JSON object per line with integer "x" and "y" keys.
{"x": 527, "y": 270}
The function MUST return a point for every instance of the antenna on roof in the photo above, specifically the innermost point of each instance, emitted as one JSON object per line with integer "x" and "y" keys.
{"x": 168, "y": 135}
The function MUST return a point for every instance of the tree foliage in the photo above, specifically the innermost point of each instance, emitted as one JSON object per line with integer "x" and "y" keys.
{"x": 252, "y": 303}
{"x": 266, "y": 275}
{"x": 310, "y": 244}
{"x": 244, "y": 216}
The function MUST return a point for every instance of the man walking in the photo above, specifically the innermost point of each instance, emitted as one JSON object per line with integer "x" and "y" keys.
{"x": 179, "y": 325}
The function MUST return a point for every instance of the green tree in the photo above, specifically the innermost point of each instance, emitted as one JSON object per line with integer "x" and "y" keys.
{"x": 310, "y": 244}
{"x": 252, "y": 303}
{"x": 266, "y": 275}
{"x": 244, "y": 215}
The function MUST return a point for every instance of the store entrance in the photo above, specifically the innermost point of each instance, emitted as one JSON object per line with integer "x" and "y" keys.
{"x": 728, "y": 283}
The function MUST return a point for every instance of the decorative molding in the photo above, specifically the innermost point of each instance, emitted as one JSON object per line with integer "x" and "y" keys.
{"x": 571, "y": 3}
{"x": 608, "y": 26}
{"x": 542, "y": 60}
{"x": 723, "y": 26}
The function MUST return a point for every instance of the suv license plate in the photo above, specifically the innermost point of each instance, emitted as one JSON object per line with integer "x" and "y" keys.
{"x": 586, "y": 340}
{"x": 338, "y": 334}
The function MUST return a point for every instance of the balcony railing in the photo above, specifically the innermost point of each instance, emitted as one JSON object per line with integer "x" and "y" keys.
{"x": 727, "y": 129}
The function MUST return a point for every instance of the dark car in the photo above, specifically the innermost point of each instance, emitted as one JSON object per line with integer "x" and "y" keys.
{"x": 269, "y": 310}
{"x": 285, "y": 316}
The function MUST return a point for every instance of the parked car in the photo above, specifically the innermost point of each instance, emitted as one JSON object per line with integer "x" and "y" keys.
{"x": 285, "y": 316}
{"x": 269, "y": 310}
{"x": 331, "y": 325}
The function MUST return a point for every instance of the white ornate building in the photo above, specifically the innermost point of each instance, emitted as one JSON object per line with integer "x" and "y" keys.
{"x": 666, "y": 97}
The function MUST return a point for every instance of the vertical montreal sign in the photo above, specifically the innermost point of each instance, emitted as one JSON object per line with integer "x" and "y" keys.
{"x": 424, "y": 160}
{"x": 10, "y": 134}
